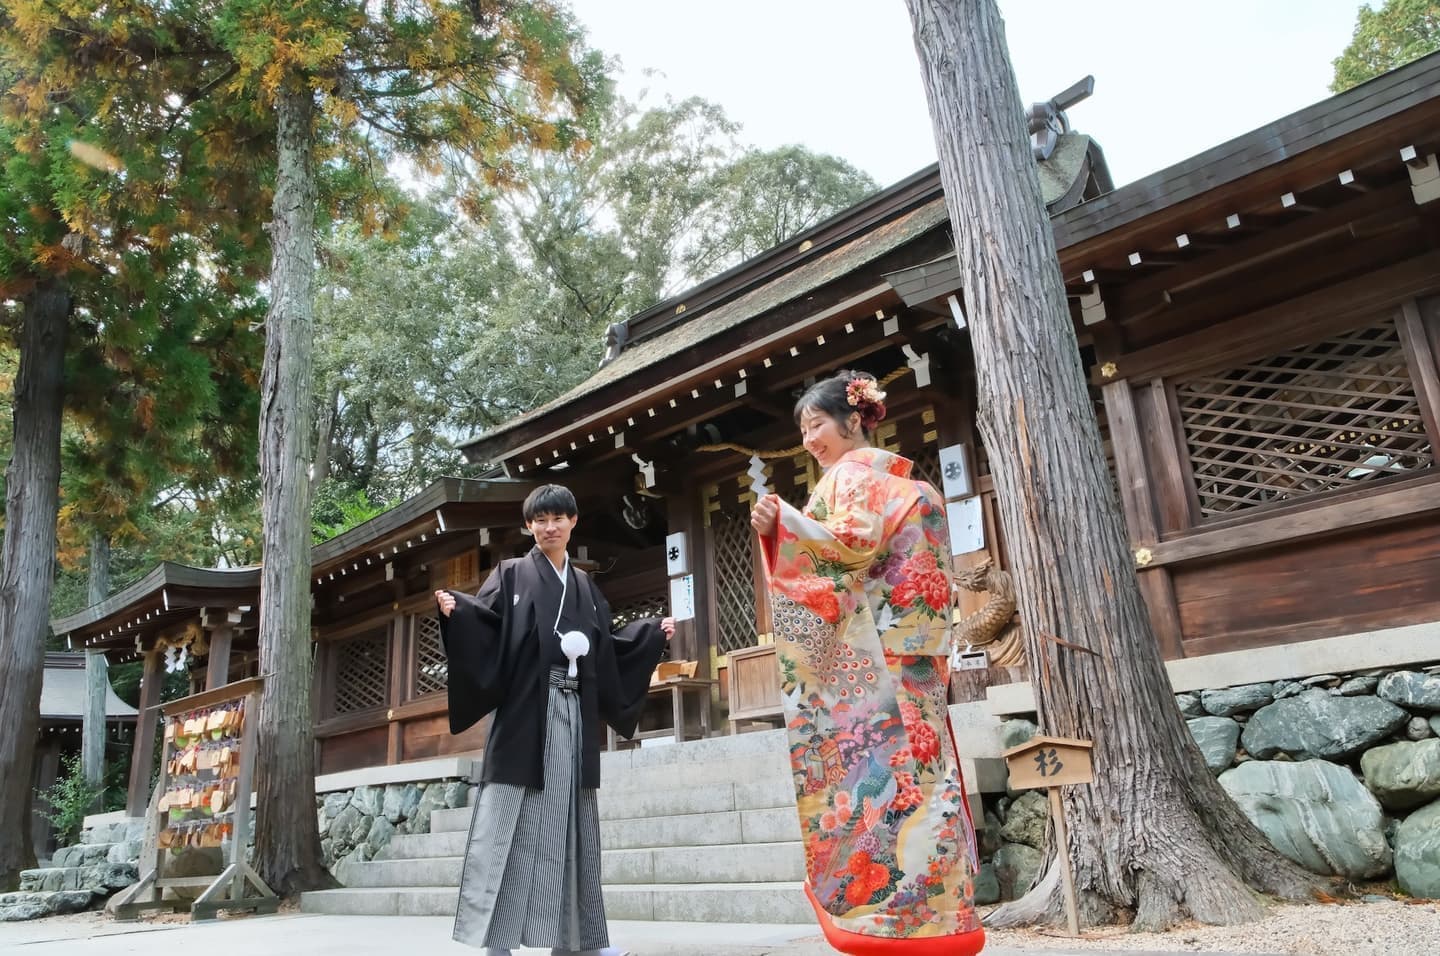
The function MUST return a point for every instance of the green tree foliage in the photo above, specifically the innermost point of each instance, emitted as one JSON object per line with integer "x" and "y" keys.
{"x": 69, "y": 799}
{"x": 1395, "y": 34}
{"x": 127, "y": 258}
{"x": 428, "y": 335}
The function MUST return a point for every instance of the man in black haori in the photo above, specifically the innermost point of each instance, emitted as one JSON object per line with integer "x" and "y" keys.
{"x": 535, "y": 648}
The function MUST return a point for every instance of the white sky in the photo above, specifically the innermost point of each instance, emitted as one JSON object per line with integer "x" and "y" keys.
{"x": 841, "y": 76}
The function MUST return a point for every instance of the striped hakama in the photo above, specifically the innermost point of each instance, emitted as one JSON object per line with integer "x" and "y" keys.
{"x": 532, "y": 860}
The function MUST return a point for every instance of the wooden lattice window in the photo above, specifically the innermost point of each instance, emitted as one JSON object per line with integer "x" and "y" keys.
{"x": 431, "y": 666}
{"x": 361, "y": 674}
{"x": 1308, "y": 421}
{"x": 645, "y": 605}
{"x": 734, "y": 581}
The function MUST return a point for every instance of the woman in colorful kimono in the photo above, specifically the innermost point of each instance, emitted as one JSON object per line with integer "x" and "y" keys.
{"x": 860, "y": 595}
{"x": 535, "y": 648}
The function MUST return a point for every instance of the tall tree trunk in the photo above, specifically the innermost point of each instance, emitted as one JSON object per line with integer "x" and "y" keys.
{"x": 92, "y": 741}
{"x": 32, "y": 503}
{"x": 287, "y": 841}
{"x": 1155, "y": 837}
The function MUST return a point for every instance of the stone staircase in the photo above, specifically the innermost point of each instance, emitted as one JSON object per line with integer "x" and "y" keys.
{"x": 702, "y": 831}
{"x": 78, "y": 876}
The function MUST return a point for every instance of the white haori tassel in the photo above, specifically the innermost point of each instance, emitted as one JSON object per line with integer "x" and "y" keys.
{"x": 574, "y": 644}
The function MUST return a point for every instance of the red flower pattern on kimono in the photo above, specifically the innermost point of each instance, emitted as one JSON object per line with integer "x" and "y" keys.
{"x": 860, "y": 595}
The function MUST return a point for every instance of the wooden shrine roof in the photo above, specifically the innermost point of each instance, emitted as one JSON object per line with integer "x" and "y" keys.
{"x": 62, "y": 695}
{"x": 916, "y": 206}
{"x": 172, "y": 595}
{"x": 1127, "y": 235}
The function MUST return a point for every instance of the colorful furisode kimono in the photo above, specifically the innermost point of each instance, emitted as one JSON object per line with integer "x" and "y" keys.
{"x": 860, "y": 594}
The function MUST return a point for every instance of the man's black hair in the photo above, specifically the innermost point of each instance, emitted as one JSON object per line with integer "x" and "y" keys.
{"x": 549, "y": 500}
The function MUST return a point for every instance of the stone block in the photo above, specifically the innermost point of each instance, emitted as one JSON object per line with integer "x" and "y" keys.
{"x": 1317, "y": 724}
{"x": 1216, "y": 737}
{"x": 1356, "y": 686}
{"x": 393, "y": 802}
{"x": 1189, "y": 705}
{"x": 1026, "y": 819}
{"x": 1314, "y": 812}
{"x": 987, "y": 885}
{"x": 1228, "y": 701}
{"x": 370, "y": 801}
{"x": 1016, "y": 866}
{"x": 1413, "y": 689}
{"x": 1417, "y": 852}
{"x": 1013, "y": 733}
{"x": 1403, "y": 775}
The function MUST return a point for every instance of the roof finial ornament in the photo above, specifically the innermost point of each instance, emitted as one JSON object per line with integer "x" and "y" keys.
{"x": 1048, "y": 121}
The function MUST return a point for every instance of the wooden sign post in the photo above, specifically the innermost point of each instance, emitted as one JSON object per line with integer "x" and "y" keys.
{"x": 1052, "y": 763}
{"x": 207, "y": 770}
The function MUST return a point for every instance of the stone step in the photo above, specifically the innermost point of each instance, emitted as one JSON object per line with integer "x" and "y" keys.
{"x": 762, "y": 825}
{"x": 99, "y": 877}
{"x": 437, "y": 871}
{"x": 740, "y": 770}
{"x": 382, "y": 901}
{"x": 780, "y": 902}
{"x": 775, "y": 825}
{"x": 756, "y": 794}
{"x": 451, "y": 821}
{"x": 87, "y": 854}
{"x": 22, "y": 906}
{"x": 722, "y": 863}
{"x": 697, "y": 753}
{"x": 762, "y": 793}
{"x": 424, "y": 846}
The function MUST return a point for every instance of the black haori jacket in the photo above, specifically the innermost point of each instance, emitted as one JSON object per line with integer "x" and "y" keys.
{"x": 497, "y": 645}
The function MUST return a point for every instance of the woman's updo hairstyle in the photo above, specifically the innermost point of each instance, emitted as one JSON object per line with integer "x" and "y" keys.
{"x": 842, "y": 395}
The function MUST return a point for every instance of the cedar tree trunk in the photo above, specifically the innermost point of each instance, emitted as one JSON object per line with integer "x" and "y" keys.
{"x": 92, "y": 741}
{"x": 287, "y": 841}
{"x": 1154, "y": 838}
{"x": 32, "y": 504}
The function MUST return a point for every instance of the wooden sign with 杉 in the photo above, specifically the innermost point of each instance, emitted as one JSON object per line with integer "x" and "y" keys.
{"x": 1052, "y": 763}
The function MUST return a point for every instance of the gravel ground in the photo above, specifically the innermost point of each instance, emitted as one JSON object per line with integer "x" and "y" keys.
{"x": 1389, "y": 928}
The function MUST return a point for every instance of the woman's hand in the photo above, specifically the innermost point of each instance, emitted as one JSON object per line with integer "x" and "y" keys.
{"x": 668, "y": 626}
{"x": 765, "y": 514}
{"x": 446, "y": 600}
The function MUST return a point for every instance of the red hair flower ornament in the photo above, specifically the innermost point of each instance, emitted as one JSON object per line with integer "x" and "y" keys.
{"x": 865, "y": 397}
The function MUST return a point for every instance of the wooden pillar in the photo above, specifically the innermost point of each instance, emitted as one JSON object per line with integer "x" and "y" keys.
{"x": 397, "y": 676}
{"x": 692, "y": 640}
{"x": 145, "y": 724}
{"x": 217, "y": 665}
{"x": 1141, "y": 501}
{"x": 92, "y": 732}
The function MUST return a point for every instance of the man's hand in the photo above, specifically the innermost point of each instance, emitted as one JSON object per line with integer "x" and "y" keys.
{"x": 446, "y": 600}
{"x": 668, "y": 626}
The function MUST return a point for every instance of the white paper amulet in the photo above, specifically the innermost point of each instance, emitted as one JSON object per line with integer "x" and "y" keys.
{"x": 574, "y": 644}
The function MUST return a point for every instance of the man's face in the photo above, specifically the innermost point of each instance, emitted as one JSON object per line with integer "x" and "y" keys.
{"x": 552, "y": 531}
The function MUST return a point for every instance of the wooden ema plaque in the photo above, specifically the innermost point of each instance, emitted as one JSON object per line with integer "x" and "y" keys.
{"x": 1050, "y": 763}
{"x": 207, "y": 768}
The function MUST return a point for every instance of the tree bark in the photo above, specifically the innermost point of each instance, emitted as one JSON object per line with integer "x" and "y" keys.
{"x": 287, "y": 841}
{"x": 92, "y": 742}
{"x": 32, "y": 503}
{"x": 1154, "y": 838}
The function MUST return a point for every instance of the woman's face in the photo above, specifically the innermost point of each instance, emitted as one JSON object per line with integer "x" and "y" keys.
{"x": 825, "y": 439}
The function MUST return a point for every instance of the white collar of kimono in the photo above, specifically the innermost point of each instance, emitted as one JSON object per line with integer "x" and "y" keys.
{"x": 573, "y": 644}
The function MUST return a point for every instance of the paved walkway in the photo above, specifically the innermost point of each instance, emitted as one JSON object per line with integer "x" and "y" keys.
{"x": 89, "y": 934}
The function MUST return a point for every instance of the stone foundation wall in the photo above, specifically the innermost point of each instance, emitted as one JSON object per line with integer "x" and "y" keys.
{"x": 356, "y": 824}
{"x": 1340, "y": 771}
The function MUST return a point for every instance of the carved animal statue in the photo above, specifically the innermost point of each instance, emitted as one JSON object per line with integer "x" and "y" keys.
{"x": 992, "y": 627}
